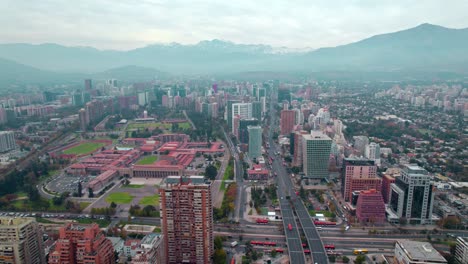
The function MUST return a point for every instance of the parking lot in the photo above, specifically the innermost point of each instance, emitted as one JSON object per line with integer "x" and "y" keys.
{"x": 67, "y": 183}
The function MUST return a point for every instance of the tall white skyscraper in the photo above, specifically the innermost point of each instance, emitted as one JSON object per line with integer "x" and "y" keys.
{"x": 316, "y": 149}
{"x": 373, "y": 152}
{"x": 243, "y": 110}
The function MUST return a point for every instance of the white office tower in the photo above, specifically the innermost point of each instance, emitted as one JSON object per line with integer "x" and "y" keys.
{"x": 255, "y": 141}
{"x": 324, "y": 115}
{"x": 143, "y": 98}
{"x": 373, "y": 152}
{"x": 243, "y": 110}
{"x": 299, "y": 117}
{"x": 263, "y": 102}
{"x": 411, "y": 195}
{"x": 7, "y": 141}
{"x": 360, "y": 143}
{"x": 316, "y": 149}
{"x": 338, "y": 126}
{"x": 461, "y": 251}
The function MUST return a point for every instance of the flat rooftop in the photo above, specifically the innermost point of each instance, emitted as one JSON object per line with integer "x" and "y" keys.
{"x": 421, "y": 251}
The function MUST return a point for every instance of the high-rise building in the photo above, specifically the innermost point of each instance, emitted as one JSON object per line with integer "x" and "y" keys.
{"x": 257, "y": 110}
{"x": 83, "y": 119}
{"x": 315, "y": 155}
{"x": 412, "y": 196}
{"x": 243, "y": 133}
{"x": 255, "y": 141}
{"x": 370, "y": 207}
{"x": 243, "y": 110}
{"x": 297, "y": 144}
{"x": 287, "y": 121}
{"x": 143, "y": 98}
{"x": 20, "y": 241}
{"x": 387, "y": 180}
{"x": 7, "y": 141}
{"x": 360, "y": 143}
{"x": 461, "y": 250}
{"x": 229, "y": 111}
{"x": 284, "y": 94}
{"x": 412, "y": 252}
{"x": 88, "y": 83}
{"x": 372, "y": 152}
{"x": 187, "y": 219}
{"x": 358, "y": 175}
{"x": 82, "y": 244}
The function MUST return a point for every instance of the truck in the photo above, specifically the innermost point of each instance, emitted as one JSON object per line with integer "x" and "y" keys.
{"x": 234, "y": 244}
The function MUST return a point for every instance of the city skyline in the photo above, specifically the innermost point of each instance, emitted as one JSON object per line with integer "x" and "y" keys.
{"x": 126, "y": 25}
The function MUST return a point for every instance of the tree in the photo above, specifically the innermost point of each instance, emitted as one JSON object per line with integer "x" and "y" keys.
{"x": 90, "y": 193}
{"x": 345, "y": 259}
{"x": 211, "y": 172}
{"x": 218, "y": 242}
{"x": 113, "y": 205}
{"x": 219, "y": 256}
{"x": 79, "y": 189}
{"x": 332, "y": 259}
{"x": 360, "y": 259}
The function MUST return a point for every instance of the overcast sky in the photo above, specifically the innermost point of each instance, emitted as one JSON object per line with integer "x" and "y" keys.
{"x": 128, "y": 24}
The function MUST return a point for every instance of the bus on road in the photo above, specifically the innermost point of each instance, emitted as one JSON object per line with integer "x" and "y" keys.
{"x": 360, "y": 251}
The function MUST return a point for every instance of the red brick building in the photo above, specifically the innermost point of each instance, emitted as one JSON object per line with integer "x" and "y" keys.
{"x": 359, "y": 175}
{"x": 82, "y": 244}
{"x": 187, "y": 220}
{"x": 386, "y": 181}
{"x": 287, "y": 121}
{"x": 370, "y": 207}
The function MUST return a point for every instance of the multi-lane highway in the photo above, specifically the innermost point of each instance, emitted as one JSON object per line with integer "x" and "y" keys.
{"x": 293, "y": 204}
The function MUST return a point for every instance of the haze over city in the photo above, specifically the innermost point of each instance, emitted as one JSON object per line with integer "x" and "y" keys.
{"x": 125, "y": 25}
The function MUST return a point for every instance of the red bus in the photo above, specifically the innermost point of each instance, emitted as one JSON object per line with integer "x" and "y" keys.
{"x": 262, "y": 221}
{"x": 307, "y": 251}
{"x": 329, "y": 246}
{"x": 324, "y": 223}
{"x": 290, "y": 227}
{"x": 270, "y": 244}
{"x": 233, "y": 260}
{"x": 279, "y": 250}
{"x": 304, "y": 245}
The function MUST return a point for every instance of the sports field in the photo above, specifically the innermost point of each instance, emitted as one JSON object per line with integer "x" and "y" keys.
{"x": 147, "y": 160}
{"x": 150, "y": 200}
{"x": 84, "y": 148}
{"x": 119, "y": 198}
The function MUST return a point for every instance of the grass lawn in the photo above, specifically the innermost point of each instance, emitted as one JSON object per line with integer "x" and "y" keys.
{"x": 119, "y": 198}
{"x": 83, "y": 205}
{"x": 185, "y": 125}
{"x": 228, "y": 175}
{"x": 84, "y": 148}
{"x": 150, "y": 200}
{"x": 147, "y": 160}
{"x": 148, "y": 125}
{"x": 101, "y": 223}
{"x": 134, "y": 186}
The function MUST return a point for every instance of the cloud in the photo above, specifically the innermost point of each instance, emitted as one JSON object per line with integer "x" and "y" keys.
{"x": 128, "y": 24}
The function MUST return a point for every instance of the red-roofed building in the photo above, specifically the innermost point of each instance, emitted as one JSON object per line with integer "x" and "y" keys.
{"x": 102, "y": 180}
{"x": 258, "y": 173}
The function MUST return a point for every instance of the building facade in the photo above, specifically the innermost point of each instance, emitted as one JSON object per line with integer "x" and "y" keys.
{"x": 461, "y": 250}
{"x": 387, "y": 180}
{"x": 187, "y": 219}
{"x": 287, "y": 121}
{"x": 316, "y": 149}
{"x": 7, "y": 141}
{"x": 255, "y": 141}
{"x": 20, "y": 241}
{"x": 370, "y": 207}
{"x": 358, "y": 175}
{"x": 82, "y": 244}
{"x": 412, "y": 196}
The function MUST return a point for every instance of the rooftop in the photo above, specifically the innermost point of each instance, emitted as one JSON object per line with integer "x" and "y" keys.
{"x": 421, "y": 251}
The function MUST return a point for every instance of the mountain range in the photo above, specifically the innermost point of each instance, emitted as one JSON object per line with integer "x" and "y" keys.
{"x": 425, "y": 48}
